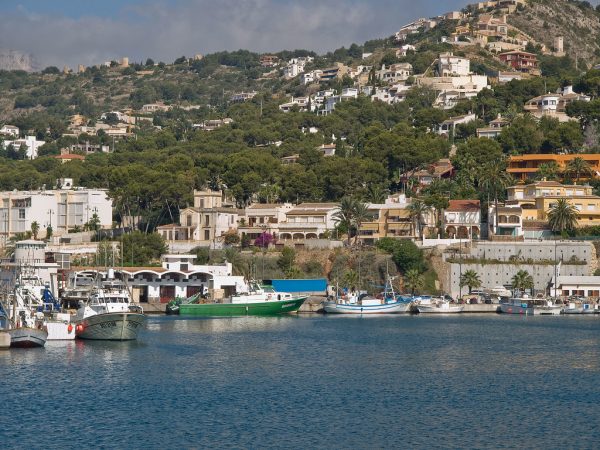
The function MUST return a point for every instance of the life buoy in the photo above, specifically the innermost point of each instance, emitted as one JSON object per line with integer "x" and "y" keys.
{"x": 70, "y": 328}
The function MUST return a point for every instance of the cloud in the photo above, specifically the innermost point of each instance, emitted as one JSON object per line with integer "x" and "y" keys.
{"x": 166, "y": 29}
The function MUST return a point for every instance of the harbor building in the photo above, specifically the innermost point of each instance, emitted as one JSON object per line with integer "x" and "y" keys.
{"x": 177, "y": 276}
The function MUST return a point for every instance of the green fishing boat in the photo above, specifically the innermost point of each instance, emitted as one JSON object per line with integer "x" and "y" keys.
{"x": 257, "y": 302}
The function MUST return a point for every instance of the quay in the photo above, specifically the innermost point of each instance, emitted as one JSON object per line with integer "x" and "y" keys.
{"x": 314, "y": 304}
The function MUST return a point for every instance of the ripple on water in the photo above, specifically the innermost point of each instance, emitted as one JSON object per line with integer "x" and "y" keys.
{"x": 312, "y": 382}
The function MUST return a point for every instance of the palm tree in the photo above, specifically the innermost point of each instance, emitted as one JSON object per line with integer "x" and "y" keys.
{"x": 376, "y": 194}
{"x": 494, "y": 179}
{"x": 562, "y": 216}
{"x": 351, "y": 280}
{"x": 361, "y": 214}
{"x": 413, "y": 280}
{"x": 344, "y": 216}
{"x": 579, "y": 166}
{"x": 471, "y": 279}
{"x": 548, "y": 171}
{"x": 35, "y": 229}
{"x": 416, "y": 211}
{"x": 522, "y": 280}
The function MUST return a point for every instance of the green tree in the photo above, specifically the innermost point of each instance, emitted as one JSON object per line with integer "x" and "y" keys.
{"x": 287, "y": 260}
{"x": 522, "y": 280}
{"x": 48, "y": 232}
{"x": 142, "y": 249}
{"x": 35, "y": 229}
{"x": 562, "y": 216}
{"x": 417, "y": 209}
{"x": 548, "y": 171}
{"x": 344, "y": 215}
{"x": 494, "y": 180}
{"x": 414, "y": 281}
{"x": 579, "y": 166}
{"x": 471, "y": 279}
{"x": 351, "y": 280}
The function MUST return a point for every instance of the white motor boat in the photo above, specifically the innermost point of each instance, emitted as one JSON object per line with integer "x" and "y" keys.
{"x": 439, "y": 306}
{"x": 109, "y": 314}
{"x": 531, "y": 307}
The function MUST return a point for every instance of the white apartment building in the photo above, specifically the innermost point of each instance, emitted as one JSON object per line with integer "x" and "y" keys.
{"x": 450, "y": 65}
{"x": 30, "y": 142}
{"x": 62, "y": 209}
{"x": 308, "y": 221}
{"x": 263, "y": 217}
{"x": 10, "y": 130}
{"x": 395, "y": 73}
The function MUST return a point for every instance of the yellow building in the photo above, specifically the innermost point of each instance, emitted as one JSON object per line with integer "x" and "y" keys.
{"x": 390, "y": 219}
{"x": 537, "y": 199}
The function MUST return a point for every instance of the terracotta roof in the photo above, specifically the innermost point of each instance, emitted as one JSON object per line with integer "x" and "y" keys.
{"x": 265, "y": 205}
{"x": 463, "y": 206}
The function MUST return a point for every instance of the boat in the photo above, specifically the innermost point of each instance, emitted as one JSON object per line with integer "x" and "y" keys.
{"x": 78, "y": 289}
{"x": 529, "y": 306}
{"x": 572, "y": 308}
{"x": 109, "y": 314}
{"x": 580, "y": 307}
{"x": 258, "y": 301}
{"x": 387, "y": 303}
{"x": 24, "y": 329}
{"x": 32, "y": 294}
{"x": 173, "y": 306}
{"x": 439, "y": 306}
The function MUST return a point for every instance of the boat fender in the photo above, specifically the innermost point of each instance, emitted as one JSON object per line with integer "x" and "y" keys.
{"x": 70, "y": 328}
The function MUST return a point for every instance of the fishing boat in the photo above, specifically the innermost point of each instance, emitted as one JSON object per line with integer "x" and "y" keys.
{"x": 386, "y": 303}
{"x": 258, "y": 301}
{"x": 24, "y": 329}
{"x": 173, "y": 306}
{"x": 32, "y": 294}
{"x": 439, "y": 306}
{"x": 109, "y": 314}
{"x": 529, "y": 306}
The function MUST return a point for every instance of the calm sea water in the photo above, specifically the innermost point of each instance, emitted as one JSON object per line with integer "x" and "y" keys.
{"x": 312, "y": 382}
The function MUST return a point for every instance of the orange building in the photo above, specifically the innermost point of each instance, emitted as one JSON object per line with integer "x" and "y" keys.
{"x": 525, "y": 167}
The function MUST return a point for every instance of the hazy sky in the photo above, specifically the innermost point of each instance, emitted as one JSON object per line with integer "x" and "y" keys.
{"x": 59, "y": 32}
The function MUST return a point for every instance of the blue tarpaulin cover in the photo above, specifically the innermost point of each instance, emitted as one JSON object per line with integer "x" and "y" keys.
{"x": 317, "y": 285}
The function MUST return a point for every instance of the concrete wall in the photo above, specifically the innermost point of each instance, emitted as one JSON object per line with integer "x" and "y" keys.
{"x": 492, "y": 275}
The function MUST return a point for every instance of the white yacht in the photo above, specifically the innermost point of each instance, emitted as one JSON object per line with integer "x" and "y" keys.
{"x": 109, "y": 314}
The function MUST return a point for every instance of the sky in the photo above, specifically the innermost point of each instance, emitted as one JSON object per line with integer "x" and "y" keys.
{"x": 72, "y": 32}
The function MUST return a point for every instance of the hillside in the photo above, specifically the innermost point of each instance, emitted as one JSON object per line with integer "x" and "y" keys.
{"x": 576, "y": 21}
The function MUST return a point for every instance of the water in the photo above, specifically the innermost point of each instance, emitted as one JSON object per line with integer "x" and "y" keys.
{"x": 312, "y": 382}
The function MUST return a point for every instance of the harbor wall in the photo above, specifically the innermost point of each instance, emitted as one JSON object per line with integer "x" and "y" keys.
{"x": 497, "y": 262}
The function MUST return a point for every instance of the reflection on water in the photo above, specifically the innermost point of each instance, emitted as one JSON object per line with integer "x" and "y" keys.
{"x": 312, "y": 382}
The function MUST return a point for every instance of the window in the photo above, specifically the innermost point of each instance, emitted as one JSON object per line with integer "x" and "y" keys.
{"x": 591, "y": 207}
{"x": 188, "y": 219}
{"x": 207, "y": 235}
{"x": 206, "y": 220}
{"x": 578, "y": 206}
{"x": 21, "y": 213}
